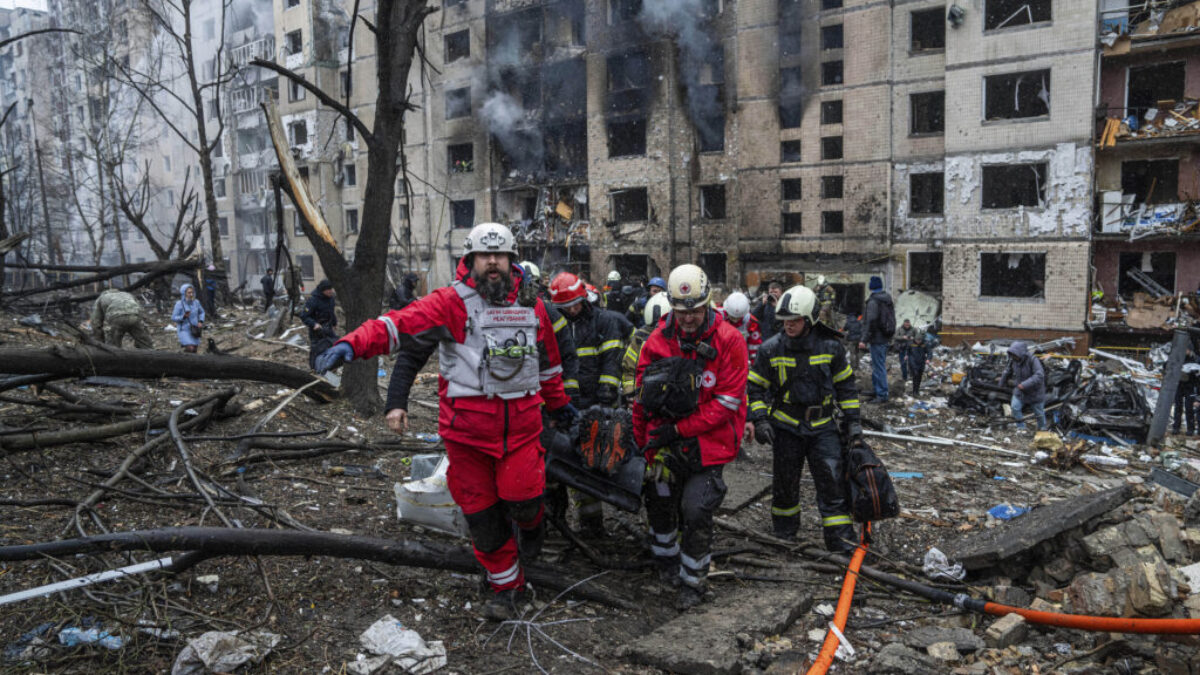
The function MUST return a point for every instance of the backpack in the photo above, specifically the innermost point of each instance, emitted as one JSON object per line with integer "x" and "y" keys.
{"x": 887, "y": 319}
{"x": 869, "y": 488}
{"x": 671, "y": 387}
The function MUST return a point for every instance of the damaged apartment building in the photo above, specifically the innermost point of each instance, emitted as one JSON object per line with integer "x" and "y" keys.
{"x": 1147, "y": 163}
{"x": 950, "y": 148}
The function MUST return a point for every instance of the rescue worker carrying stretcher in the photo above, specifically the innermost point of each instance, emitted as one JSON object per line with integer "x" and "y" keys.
{"x": 799, "y": 380}
{"x": 596, "y": 335}
{"x": 498, "y": 362}
{"x": 691, "y": 377}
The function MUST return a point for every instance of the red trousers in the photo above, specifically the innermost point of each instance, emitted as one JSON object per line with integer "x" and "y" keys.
{"x": 486, "y": 488}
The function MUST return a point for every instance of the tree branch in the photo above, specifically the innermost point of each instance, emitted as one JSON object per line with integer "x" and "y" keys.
{"x": 321, "y": 96}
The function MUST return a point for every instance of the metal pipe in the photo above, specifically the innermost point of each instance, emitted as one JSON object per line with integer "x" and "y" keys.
{"x": 1170, "y": 384}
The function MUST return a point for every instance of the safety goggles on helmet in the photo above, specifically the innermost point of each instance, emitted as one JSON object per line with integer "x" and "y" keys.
{"x": 795, "y": 303}
{"x": 489, "y": 238}
{"x": 566, "y": 289}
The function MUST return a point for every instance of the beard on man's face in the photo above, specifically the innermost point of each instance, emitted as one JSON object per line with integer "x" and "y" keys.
{"x": 495, "y": 292}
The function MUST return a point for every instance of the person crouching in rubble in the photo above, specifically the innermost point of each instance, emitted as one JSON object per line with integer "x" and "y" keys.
{"x": 797, "y": 384}
{"x": 1027, "y": 371}
{"x": 498, "y": 362}
{"x": 688, "y": 431}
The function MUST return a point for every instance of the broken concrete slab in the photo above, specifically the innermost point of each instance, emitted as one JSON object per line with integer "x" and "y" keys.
{"x": 1149, "y": 589}
{"x": 745, "y": 484}
{"x": 1097, "y": 594}
{"x": 964, "y": 640}
{"x": 943, "y": 651}
{"x": 704, "y": 640}
{"x": 989, "y": 547}
{"x": 1007, "y": 630}
{"x": 896, "y": 659}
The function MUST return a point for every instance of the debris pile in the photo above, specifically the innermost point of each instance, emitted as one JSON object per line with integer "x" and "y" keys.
{"x": 981, "y": 390}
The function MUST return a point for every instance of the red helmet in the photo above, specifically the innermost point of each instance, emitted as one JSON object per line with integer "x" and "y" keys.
{"x": 566, "y": 289}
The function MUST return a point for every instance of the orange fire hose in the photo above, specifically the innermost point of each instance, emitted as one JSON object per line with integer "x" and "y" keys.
{"x": 842, "y": 613}
{"x": 1106, "y": 624}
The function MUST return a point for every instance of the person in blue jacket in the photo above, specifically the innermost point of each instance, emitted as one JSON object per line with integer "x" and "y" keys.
{"x": 188, "y": 313}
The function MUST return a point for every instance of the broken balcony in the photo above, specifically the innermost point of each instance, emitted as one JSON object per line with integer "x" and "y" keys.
{"x": 1125, "y": 26}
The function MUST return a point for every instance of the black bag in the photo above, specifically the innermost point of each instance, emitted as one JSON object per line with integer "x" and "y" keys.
{"x": 194, "y": 330}
{"x": 671, "y": 387}
{"x": 887, "y": 319}
{"x": 869, "y": 487}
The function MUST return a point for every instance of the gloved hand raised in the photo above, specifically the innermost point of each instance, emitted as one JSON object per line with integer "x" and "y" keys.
{"x": 764, "y": 433}
{"x": 664, "y": 435}
{"x": 334, "y": 357}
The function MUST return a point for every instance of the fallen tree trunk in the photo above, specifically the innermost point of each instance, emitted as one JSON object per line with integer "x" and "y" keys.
{"x": 219, "y": 541}
{"x": 17, "y": 443}
{"x": 87, "y": 361}
{"x": 150, "y": 270}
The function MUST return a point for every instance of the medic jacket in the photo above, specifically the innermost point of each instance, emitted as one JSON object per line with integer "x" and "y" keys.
{"x": 718, "y": 421}
{"x": 489, "y": 424}
{"x": 797, "y": 382}
{"x": 748, "y": 327}
{"x": 598, "y": 345}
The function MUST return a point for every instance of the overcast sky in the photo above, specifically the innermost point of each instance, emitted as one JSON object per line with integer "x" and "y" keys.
{"x": 36, "y": 4}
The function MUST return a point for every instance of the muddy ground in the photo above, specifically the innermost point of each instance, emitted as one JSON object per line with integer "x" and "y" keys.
{"x": 321, "y": 605}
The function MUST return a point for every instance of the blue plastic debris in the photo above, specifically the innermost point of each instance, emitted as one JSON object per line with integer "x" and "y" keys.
{"x": 428, "y": 438}
{"x": 1103, "y": 440}
{"x": 1006, "y": 511}
{"x": 73, "y": 637}
{"x": 906, "y": 474}
{"x": 24, "y": 647}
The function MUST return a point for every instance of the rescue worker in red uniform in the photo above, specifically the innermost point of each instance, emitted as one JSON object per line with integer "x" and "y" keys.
{"x": 799, "y": 381}
{"x": 498, "y": 362}
{"x": 736, "y": 312}
{"x": 686, "y": 453}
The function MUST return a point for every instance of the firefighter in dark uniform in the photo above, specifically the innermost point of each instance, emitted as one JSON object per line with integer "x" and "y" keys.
{"x": 799, "y": 380}
{"x": 597, "y": 338}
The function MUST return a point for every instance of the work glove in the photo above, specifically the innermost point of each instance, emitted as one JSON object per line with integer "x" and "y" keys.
{"x": 854, "y": 435}
{"x": 764, "y": 433}
{"x": 606, "y": 394}
{"x": 334, "y": 357}
{"x": 666, "y": 463}
{"x": 566, "y": 415}
{"x": 662, "y": 436}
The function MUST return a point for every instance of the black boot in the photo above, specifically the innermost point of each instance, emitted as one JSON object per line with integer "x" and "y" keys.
{"x": 529, "y": 542}
{"x": 508, "y": 605}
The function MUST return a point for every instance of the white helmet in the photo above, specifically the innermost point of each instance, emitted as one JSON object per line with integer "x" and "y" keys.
{"x": 688, "y": 287}
{"x": 796, "y": 302}
{"x": 614, "y": 276}
{"x": 656, "y": 308}
{"x": 820, "y": 279}
{"x": 489, "y": 238}
{"x": 737, "y": 306}
{"x": 532, "y": 269}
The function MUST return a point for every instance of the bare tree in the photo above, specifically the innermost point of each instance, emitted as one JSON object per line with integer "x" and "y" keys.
{"x": 396, "y": 28}
{"x": 187, "y": 94}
